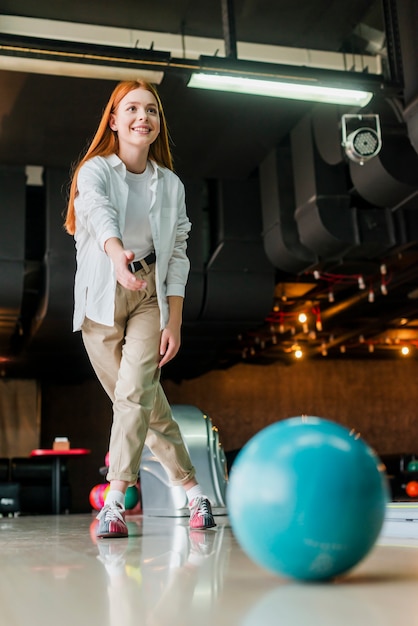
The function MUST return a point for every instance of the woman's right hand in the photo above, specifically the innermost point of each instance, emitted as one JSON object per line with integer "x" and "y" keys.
{"x": 121, "y": 259}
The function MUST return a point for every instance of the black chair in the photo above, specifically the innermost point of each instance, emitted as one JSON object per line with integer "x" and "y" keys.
{"x": 4, "y": 470}
{"x": 34, "y": 475}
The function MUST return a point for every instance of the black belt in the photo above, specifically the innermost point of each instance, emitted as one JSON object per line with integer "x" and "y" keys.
{"x": 137, "y": 265}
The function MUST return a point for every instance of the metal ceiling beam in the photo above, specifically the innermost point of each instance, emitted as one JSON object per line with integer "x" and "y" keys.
{"x": 180, "y": 46}
{"x": 228, "y": 25}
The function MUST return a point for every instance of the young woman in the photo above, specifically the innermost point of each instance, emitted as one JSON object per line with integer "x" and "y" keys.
{"x": 127, "y": 213}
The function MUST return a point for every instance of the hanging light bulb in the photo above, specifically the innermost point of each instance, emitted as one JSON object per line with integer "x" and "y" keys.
{"x": 303, "y": 319}
{"x": 330, "y": 296}
{"x": 383, "y": 288}
{"x": 371, "y": 347}
{"x": 317, "y": 275}
{"x": 405, "y": 350}
{"x": 297, "y": 352}
{"x": 383, "y": 269}
{"x": 370, "y": 297}
{"x": 361, "y": 283}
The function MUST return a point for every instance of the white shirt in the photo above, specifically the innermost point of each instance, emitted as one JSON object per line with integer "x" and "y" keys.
{"x": 137, "y": 235}
{"x": 100, "y": 208}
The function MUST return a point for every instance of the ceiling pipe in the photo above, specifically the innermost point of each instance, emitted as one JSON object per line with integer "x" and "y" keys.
{"x": 397, "y": 281}
{"x": 393, "y": 40}
{"x": 370, "y": 327}
{"x": 178, "y": 45}
{"x": 228, "y": 24}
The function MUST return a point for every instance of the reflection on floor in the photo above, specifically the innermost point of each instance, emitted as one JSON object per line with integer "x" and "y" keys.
{"x": 53, "y": 571}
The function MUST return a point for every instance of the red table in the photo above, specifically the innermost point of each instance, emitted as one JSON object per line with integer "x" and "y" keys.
{"x": 57, "y": 457}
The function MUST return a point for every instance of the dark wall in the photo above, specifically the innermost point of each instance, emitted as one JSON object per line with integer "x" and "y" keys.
{"x": 82, "y": 413}
{"x": 376, "y": 398}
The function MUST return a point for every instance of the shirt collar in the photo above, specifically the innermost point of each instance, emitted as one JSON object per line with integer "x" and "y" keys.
{"x": 117, "y": 163}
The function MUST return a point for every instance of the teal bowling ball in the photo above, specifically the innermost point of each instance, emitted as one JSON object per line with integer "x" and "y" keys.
{"x": 307, "y": 498}
{"x": 413, "y": 466}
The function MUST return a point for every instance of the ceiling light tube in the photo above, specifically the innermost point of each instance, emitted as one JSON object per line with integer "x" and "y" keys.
{"x": 310, "y": 92}
{"x": 77, "y": 70}
{"x": 64, "y": 58}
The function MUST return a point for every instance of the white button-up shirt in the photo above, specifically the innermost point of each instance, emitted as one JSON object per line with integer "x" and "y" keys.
{"x": 100, "y": 208}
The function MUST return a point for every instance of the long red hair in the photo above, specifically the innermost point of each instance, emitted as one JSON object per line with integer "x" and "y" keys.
{"x": 105, "y": 141}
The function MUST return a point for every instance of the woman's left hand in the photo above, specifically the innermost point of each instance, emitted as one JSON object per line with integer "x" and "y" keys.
{"x": 169, "y": 345}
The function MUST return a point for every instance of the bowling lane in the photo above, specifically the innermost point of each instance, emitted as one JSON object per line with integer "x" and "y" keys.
{"x": 53, "y": 570}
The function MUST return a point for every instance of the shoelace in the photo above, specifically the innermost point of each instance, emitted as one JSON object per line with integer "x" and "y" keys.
{"x": 108, "y": 512}
{"x": 203, "y": 508}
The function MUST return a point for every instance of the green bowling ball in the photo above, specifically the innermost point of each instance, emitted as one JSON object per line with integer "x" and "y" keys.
{"x": 131, "y": 497}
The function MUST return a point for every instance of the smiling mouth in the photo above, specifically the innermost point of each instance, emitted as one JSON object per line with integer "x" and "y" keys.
{"x": 141, "y": 129}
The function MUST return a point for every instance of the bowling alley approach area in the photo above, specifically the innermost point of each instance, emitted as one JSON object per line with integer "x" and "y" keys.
{"x": 54, "y": 571}
{"x": 294, "y": 543}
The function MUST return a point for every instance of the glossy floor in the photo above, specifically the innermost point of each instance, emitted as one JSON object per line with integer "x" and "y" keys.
{"x": 53, "y": 571}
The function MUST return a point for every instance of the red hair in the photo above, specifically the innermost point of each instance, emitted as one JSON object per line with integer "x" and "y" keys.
{"x": 105, "y": 141}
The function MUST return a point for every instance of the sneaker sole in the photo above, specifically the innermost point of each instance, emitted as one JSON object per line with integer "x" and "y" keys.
{"x": 112, "y": 536}
{"x": 202, "y": 527}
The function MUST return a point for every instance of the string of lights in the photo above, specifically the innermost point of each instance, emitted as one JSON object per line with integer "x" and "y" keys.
{"x": 296, "y": 327}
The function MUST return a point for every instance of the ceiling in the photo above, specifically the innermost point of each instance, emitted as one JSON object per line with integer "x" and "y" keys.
{"x": 46, "y": 121}
{"x": 235, "y": 134}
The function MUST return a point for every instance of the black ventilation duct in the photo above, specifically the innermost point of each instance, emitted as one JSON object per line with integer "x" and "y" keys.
{"x": 326, "y": 222}
{"x": 406, "y": 28}
{"x": 280, "y": 232}
{"x": 52, "y": 326}
{"x": 239, "y": 277}
{"x": 197, "y": 246}
{"x": 390, "y": 179}
{"x": 12, "y": 253}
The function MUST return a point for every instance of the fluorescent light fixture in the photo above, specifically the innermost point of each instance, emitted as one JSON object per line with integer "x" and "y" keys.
{"x": 64, "y": 58}
{"x": 68, "y": 58}
{"x": 279, "y": 89}
{"x": 77, "y": 70}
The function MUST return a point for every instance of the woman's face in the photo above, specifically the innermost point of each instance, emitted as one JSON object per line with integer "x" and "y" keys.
{"x": 136, "y": 119}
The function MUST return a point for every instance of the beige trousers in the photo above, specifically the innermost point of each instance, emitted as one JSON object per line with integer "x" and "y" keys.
{"x": 125, "y": 358}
